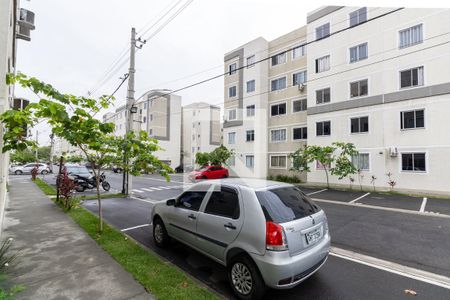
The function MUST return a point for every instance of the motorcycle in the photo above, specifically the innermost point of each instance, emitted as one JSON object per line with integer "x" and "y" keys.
{"x": 84, "y": 183}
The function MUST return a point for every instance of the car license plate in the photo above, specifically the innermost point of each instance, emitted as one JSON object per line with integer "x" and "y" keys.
{"x": 313, "y": 236}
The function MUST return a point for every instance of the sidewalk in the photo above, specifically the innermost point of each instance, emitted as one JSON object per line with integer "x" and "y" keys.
{"x": 58, "y": 259}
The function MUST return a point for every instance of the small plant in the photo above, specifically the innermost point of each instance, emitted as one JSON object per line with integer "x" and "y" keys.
{"x": 372, "y": 181}
{"x": 360, "y": 179}
{"x": 352, "y": 180}
{"x": 66, "y": 189}
{"x": 287, "y": 179}
{"x": 391, "y": 182}
{"x": 6, "y": 261}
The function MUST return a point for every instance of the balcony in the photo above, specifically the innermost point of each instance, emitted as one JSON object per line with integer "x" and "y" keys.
{"x": 25, "y": 25}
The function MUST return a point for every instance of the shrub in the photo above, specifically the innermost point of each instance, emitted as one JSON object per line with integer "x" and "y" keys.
{"x": 285, "y": 178}
{"x": 66, "y": 189}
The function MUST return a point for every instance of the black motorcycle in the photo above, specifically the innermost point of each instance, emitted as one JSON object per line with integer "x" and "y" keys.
{"x": 84, "y": 183}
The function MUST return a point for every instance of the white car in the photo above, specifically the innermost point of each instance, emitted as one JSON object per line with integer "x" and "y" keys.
{"x": 26, "y": 169}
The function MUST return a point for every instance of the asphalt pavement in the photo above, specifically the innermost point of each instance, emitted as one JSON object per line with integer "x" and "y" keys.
{"x": 393, "y": 231}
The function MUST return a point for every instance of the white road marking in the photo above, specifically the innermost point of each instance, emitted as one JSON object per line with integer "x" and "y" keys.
{"x": 145, "y": 200}
{"x": 135, "y": 227}
{"x": 316, "y": 192}
{"x": 406, "y": 211}
{"x": 359, "y": 198}
{"x": 137, "y": 191}
{"x": 157, "y": 189}
{"x": 416, "y": 274}
{"x": 424, "y": 203}
{"x": 157, "y": 179}
{"x": 165, "y": 187}
{"x": 148, "y": 190}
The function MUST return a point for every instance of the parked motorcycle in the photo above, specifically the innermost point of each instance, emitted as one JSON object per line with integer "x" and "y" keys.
{"x": 84, "y": 183}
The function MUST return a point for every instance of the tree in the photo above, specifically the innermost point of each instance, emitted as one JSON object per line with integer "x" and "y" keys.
{"x": 23, "y": 156}
{"x": 338, "y": 164}
{"x": 202, "y": 158}
{"x": 74, "y": 158}
{"x": 218, "y": 156}
{"x": 44, "y": 153}
{"x": 73, "y": 118}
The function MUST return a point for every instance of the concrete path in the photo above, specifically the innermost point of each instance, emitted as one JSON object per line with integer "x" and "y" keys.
{"x": 58, "y": 259}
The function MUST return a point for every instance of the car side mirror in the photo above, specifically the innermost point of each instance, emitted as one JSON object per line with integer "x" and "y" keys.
{"x": 171, "y": 202}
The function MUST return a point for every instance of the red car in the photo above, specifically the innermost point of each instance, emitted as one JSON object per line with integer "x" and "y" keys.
{"x": 209, "y": 172}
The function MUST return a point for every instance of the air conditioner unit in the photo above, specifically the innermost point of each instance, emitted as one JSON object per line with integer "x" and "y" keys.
{"x": 301, "y": 87}
{"x": 393, "y": 152}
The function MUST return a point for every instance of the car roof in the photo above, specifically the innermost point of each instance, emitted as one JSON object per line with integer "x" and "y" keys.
{"x": 251, "y": 183}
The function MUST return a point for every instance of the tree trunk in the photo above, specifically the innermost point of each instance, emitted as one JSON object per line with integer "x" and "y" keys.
{"x": 326, "y": 172}
{"x": 99, "y": 201}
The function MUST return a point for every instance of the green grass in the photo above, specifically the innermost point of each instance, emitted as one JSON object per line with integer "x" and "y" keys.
{"x": 102, "y": 196}
{"x": 160, "y": 278}
{"x": 45, "y": 187}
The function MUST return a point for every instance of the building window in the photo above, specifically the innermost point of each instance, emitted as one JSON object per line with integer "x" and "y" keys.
{"x": 414, "y": 162}
{"x": 249, "y": 161}
{"x": 323, "y": 64}
{"x": 298, "y": 51}
{"x": 198, "y": 148}
{"x": 361, "y": 161}
{"x": 232, "y": 91}
{"x": 193, "y": 149}
{"x": 231, "y": 161}
{"x": 232, "y": 115}
{"x": 359, "y": 52}
{"x": 299, "y": 78}
{"x": 278, "y": 109}
{"x": 412, "y": 77}
{"x": 150, "y": 132}
{"x": 278, "y": 135}
{"x": 412, "y": 119}
{"x": 145, "y": 105}
{"x": 323, "y": 31}
{"x": 358, "y": 16}
{"x": 250, "y": 110}
{"x": 411, "y": 36}
{"x": 250, "y": 86}
{"x": 278, "y": 84}
{"x": 250, "y": 136}
{"x": 151, "y": 117}
{"x": 319, "y": 166}
{"x": 232, "y": 69}
{"x": 278, "y": 161}
{"x": 323, "y": 96}
{"x": 359, "y": 125}
{"x": 300, "y": 133}
{"x": 299, "y": 105}
{"x": 359, "y": 88}
{"x": 278, "y": 59}
{"x": 250, "y": 61}
{"x": 323, "y": 128}
{"x": 145, "y": 120}
{"x": 231, "y": 137}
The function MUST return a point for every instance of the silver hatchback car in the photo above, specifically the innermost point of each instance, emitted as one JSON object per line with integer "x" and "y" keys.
{"x": 267, "y": 234}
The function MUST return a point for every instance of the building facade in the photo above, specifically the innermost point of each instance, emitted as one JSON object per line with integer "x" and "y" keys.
{"x": 159, "y": 114}
{"x": 201, "y": 130}
{"x": 378, "y": 78}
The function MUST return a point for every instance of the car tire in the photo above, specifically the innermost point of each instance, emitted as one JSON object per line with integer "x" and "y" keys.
{"x": 204, "y": 177}
{"x": 160, "y": 235}
{"x": 225, "y": 176}
{"x": 44, "y": 172}
{"x": 18, "y": 172}
{"x": 245, "y": 279}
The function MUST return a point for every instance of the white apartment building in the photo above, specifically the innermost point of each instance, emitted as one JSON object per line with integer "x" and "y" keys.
{"x": 201, "y": 131}
{"x": 265, "y": 104}
{"x": 159, "y": 114}
{"x": 380, "y": 79}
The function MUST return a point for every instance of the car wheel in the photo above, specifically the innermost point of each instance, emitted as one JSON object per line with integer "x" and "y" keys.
{"x": 225, "y": 176}
{"x": 245, "y": 279}
{"x": 160, "y": 236}
{"x": 106, "y": 186}
{"x": 204, "y": 178}
{"x": 18, "y": 172}
{"x": 44, "y": 172}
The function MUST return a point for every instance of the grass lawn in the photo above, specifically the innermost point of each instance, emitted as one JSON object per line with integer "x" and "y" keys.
{"x": 160, "y": 278}
{"x": 45, "y": 187}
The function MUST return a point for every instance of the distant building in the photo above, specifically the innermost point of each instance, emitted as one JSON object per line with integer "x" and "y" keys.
{"x": 159, "y": 114}
{"x": 201, "y": 131}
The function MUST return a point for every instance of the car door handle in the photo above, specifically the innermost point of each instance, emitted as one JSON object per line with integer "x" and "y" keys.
{"x": 192, "y": 217}
{"x": 229, "y": 226}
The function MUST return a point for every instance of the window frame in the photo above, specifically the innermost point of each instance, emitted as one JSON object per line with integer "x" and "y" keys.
{"x": 278, "y": 167}
{"x": 252, "y": 134}
{"x": 282, "y": 53}
{"x": 316, "y": 67}
{"x": 235, "y": 114}
{"x": 422, "y": 68}
{"x": 278, "y": 104}
{"x": 276, "y": 79}
{"x": 402, "y": 121}
{"x": 300, "y": 111}
{"x": 323, "y": 95}
{"x": 252, "y": 64}
{"x": 252, "y": 160}
{"x": 359, "y": 124}
{"x": 252, "y": 108}
{"x": 279, "y": 141}
{"x": 413, "y": 153}
{"x": 369, "y": 161}
{"x": 323, "y": 135}
{"x": 232, "y": 71}
{"x": 235, "y": 91}
{"x": 254, "y": 86}
{"x": 358, "y": 53}
{"x": 303, "y": 47}
{"x": 305, "y": 76}
{"x": 300, "y": 127}
{"x": 400, "y": 47}
{"x": 233, "y": 133}
{"x": 321, "y": 27}
{"x": 359, "y": 88}
{"x": 358, "y": 17}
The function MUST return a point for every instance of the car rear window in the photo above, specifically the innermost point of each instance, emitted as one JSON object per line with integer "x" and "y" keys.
{"x": 285, "y": 204}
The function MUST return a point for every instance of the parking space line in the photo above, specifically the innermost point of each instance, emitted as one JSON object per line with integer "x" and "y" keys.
{"x": 134, "y": 227}
{"x": 359, "y": 198}
{"x": 406, "y": 211}
{"x": 316, "y": 192}
{"x": 424, "y": 203}
{"x": 416, "y": 274}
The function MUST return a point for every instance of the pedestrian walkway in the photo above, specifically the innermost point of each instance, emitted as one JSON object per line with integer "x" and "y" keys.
{"x": 58, "y": 259}
{"x": 161, "y": 188}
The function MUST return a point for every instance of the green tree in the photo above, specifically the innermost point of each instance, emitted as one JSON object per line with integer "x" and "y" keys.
{"x": 220, "y": 155}
{"x": 23, "y": 156}
{"x": 202, "y": 158}
{"x": 73, "y": 118}
{"x": 74, "y": 158}
{"x": 343, "y": 165}
{"x": 44, "y": 153}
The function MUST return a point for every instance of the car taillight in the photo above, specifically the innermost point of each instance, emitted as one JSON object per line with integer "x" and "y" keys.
{"x": 275, "y": 238}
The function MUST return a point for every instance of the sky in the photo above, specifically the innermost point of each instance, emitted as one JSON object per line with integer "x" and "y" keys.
{"x": 76, "y": 42}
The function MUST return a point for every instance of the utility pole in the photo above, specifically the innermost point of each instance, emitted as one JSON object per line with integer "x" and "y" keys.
{"x": 37, "y": 145}
{"x": 52, "y": 147}
{"x": 127, "y": 180}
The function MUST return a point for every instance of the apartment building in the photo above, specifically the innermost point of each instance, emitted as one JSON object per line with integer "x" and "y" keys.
{"x": 201, "y": 130}
{"x": 265, "y": 104}
{"x": 379, "y": 78}
{"x": 159, "y": 114}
